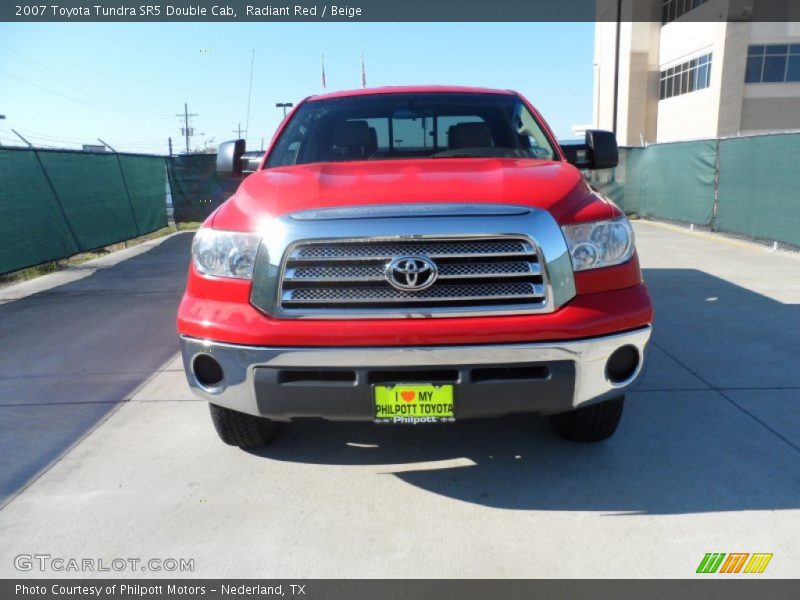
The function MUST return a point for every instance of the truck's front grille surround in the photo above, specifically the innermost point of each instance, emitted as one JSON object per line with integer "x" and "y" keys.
{"x": 476, "y": 274}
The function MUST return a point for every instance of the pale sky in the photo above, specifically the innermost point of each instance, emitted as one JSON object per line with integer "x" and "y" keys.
{"x": 64, "y": 84}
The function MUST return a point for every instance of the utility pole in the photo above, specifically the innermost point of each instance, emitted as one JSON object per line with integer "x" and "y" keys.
{"x": 16, "y": 133}
{"x": 238, "y": 131}
{"x": 169, "y": 141}
{"x": 187, "y": 132}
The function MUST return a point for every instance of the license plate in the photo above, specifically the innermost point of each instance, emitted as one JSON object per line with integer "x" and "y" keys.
{"x": 414, "y": 403}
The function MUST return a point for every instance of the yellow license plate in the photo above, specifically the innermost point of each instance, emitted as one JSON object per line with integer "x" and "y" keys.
{"x": 414, "y": 403}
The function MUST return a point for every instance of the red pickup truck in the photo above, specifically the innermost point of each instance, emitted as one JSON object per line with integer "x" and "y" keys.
{"x": 410, "y": 255}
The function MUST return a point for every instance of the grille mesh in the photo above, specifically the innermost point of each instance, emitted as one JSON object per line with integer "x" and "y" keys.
{"x": 476, "y": 273}
{"x": 496, "y": 268}
{"x": 377, "y": 271}
{"x": 333, "y": 272}
{"x": 391, "y": 250}
{"x": 439, "y": 293}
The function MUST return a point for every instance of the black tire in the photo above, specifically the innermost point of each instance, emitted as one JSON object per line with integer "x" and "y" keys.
{"x": 592, "y": 423}
{"x": 243, "y": 430}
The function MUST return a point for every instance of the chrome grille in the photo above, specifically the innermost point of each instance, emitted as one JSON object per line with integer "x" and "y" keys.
{"x": 375, "y": 272}
{"x": 343, "y": 276}
{"x": 390, "y": 250}
{"x": 437, "y": 293}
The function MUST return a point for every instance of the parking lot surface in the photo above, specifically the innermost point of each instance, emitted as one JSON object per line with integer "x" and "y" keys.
{"x": 106, "y": 454}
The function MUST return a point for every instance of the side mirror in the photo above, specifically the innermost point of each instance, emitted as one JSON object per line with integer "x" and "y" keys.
{"x": 599, "y": 151}
{"x": 229, "y": 158}
{"x": 251, "y": 161}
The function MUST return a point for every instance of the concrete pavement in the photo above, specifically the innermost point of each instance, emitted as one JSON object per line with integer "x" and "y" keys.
{"x": 76, "y": 343}
{"x": 707, "y": 459}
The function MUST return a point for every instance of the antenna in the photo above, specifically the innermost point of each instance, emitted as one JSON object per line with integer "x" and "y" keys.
{"x": 249, "y": 94}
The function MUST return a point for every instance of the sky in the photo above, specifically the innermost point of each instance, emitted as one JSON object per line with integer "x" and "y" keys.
{"x": 65, "y": 84}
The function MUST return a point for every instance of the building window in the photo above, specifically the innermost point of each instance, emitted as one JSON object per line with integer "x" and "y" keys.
{"x": 773, "y": 63}
{"x": 692, "y": 75}
{"x": 674, "y": 9}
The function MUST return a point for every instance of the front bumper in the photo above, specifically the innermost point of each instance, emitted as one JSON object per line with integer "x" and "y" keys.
{"x": 489, "y": 380}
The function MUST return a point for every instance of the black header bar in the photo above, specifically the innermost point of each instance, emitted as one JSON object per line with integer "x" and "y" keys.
{"x": 385, "y": 11}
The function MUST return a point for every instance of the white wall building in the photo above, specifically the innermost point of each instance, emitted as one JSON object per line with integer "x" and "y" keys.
{"x": 684, "y": 78}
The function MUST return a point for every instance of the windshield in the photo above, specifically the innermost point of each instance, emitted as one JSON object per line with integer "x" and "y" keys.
{"x": 392, "y": 126}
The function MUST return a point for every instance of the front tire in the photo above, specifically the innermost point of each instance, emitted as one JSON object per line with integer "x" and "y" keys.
{"x": 243, "y": 430}
{"x": 592, "y": 423}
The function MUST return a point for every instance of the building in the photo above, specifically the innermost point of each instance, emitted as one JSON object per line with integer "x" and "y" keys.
{"x": 685, "y": 72}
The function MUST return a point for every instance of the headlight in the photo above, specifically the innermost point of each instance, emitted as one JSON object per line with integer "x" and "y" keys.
{"x": 599, "y": 244}
{"x": 225, "y": 253}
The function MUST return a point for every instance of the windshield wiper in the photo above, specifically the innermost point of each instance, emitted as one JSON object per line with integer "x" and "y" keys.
{"x": 461, "y": 156}
{"x": 478, "y": 153}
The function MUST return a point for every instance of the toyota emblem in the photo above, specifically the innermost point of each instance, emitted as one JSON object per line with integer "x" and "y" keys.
{"x": 411, "y": 273}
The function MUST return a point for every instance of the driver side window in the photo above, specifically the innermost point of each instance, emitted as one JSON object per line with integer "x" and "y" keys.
{"x": 532, "y": 137}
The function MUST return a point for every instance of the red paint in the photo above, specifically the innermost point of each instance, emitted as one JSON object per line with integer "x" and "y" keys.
{"x": 609, "y": 300}
{"x": 222, "y": 312}
{"x": 608, "y": 279}
{"x": 411, "y": 89}
{"x": 553, "y": 185}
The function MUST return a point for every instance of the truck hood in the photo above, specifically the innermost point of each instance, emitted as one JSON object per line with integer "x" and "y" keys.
{"x": 557, "y": 187}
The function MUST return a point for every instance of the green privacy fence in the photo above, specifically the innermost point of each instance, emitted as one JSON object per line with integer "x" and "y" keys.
{"x": 673, "y": 181}
{"x": 744, "y": 185}
{"x": 54, "y": 204}
{"x": 759, "y": 187}
{"x": 196, "y": 188}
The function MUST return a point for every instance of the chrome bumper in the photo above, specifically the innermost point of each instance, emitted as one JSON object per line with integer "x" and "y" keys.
{"x": 576, "y": 376}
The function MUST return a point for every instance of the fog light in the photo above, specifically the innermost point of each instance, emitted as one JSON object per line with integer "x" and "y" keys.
{"x": 622, "y": 364}
{"x": 207, "y": 371}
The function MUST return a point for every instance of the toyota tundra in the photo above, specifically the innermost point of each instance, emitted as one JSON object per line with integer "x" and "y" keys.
{"x": 410, "y": 255}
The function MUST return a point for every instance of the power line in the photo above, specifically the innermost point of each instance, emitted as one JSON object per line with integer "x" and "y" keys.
{"x": 80, "y": 141}
{"x": 75, "y": 85}
{"x": 37, "y": 135}
{"x": 74, "y": 143}
{"x": 77, "y": 100}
